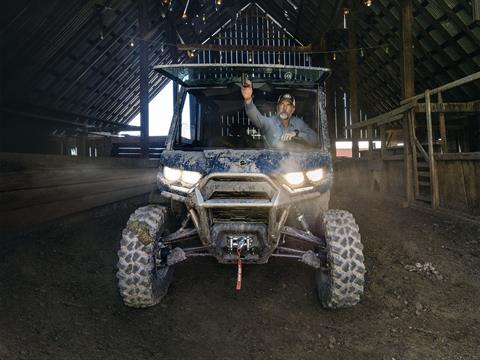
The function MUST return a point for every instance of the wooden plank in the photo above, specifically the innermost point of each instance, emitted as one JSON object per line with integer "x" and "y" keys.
{"x": 394, "y": 115}
{"x": 407, "y": 71}
{"x": 43, "y": 195}
{"x": 458, "y": 156}
{"x": 143, "y": 22}
{"x": 441, "y": 107}
{"x": 431, "y": 158}
{"x": 442, "y": 125}
{"x": 51, "y": 178}
{"x": 397, "y": 157}
{"x": 353, "y": 84}
{"x": 421, "y": 149}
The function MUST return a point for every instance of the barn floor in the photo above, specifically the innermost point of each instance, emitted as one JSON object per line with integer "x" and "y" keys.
{"x": 58, "y": 298}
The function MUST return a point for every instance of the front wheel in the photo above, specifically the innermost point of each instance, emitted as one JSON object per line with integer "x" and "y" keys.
{"x": 341, "y": 283}
{"x": 141, "y": 282}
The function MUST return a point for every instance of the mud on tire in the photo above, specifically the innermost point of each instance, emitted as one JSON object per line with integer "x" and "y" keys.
{"x": 140, "y": 283}
{"x": 341, "y": 284}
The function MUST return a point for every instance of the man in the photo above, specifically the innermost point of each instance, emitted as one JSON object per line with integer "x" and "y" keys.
{"x": 281, "y": 128}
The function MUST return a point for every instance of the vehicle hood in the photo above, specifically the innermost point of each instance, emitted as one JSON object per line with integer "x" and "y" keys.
{"x": 246, "y": 161}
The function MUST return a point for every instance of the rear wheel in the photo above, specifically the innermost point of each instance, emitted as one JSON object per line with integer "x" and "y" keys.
{"x": 341, "y": 283}
{"x": 141, "y": 282}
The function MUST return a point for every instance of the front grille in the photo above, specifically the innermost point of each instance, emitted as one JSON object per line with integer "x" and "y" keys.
{"x": 239, "y": 195}
{"x": 239, "y": 215}
{"x": 255, "y": 187}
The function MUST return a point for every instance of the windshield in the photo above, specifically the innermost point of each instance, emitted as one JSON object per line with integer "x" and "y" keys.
{"x": 218, "y": 118}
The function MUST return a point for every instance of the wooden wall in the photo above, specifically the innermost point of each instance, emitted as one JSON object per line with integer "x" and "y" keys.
{"x": 366, "y": 175}
{"x": 458, "y": 178}
{"x": 459, "y": 183}
{"x": 38, "y": 188}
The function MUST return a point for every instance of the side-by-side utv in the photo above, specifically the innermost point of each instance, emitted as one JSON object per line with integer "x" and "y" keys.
{"x": 223, "y": 193}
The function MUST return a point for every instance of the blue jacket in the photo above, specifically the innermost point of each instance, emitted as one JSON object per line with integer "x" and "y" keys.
{"x": 272, "y": 128}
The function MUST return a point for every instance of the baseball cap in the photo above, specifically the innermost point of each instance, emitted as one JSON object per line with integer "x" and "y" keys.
{"x": 288, "y": 98}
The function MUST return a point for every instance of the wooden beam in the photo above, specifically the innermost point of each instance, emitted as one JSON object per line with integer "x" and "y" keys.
{"x": 431, "y": 158}
{"x": 458, "y": 156}
{"x": 353, "y": 81}
{"x": 442, "y": 125}
{"x": 407, "y": 70}
{"x": 476, "y": 10}
{"x": 451, "y": 107}
{"x": 394, "y": 115}
{"x": 144, "y": 71}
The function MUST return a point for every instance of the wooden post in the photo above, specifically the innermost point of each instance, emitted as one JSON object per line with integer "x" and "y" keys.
{"x": 353, "y": 75}
{"x": 411, "y": 124}
{"x": 408, "y": 90}
{"x": 331, "y": 116}
{"x": 443, "y": 129}
{"x": 340, "y": 115}
{"x": 370, "y": 141}
{"x": 144, "y": 71}
{"x": 431, "y": 155}
{"x": 383, "y": 141}
{"x": 330, "y": 96}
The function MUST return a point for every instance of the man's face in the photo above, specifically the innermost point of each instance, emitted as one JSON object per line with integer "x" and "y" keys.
{"x": 285, "y": 109}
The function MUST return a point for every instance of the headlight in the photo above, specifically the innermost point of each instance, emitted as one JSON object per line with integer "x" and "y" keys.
{"x": 190, "y": 178}
{"x": 294, "y": 178}
{"x": 315, "y": 175}
{"x": 171, "y": 175}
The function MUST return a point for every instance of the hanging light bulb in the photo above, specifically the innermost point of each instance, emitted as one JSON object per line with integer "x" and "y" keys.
{"x": 218, "y": 2}
{"x": 346, "y": 11}
{"x": 184, "y": 15}
{"x": 334, "y": 56}
{"x": 204, "y": 17}
{"x": 132, "y": 43}
{"x": 386, "y": 49}
{"x": 361, "y": 52}
{"x": 368, "y": 2}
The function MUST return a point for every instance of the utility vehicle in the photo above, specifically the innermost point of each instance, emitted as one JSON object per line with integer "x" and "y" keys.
{"x": 224, "y": 194}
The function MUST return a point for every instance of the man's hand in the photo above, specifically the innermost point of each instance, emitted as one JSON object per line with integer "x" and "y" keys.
{"x": 247, "y": 91}
{"x": 288, "y": 136}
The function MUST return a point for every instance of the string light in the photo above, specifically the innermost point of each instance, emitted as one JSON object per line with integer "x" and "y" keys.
{"x": 361, "y": 52}
{"x": 386, "y": 49}
{"x": 346, "y": 11}
{"x": 132, "y": 43}
{"x": 368, "y": 2}
{"x": 334, "y": 56}
{"x": 218, "y": 2}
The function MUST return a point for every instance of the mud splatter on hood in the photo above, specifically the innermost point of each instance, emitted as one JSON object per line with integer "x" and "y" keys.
{"x": 245, "y": 161}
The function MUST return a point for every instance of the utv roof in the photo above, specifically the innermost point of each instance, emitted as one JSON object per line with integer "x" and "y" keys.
{"x": 209, "y": 75}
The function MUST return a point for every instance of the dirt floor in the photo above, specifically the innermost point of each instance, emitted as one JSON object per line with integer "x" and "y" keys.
{"x": 58, "y": 297}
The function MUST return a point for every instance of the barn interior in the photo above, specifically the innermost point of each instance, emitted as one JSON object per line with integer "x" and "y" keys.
{"x": 80, "y": 150}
